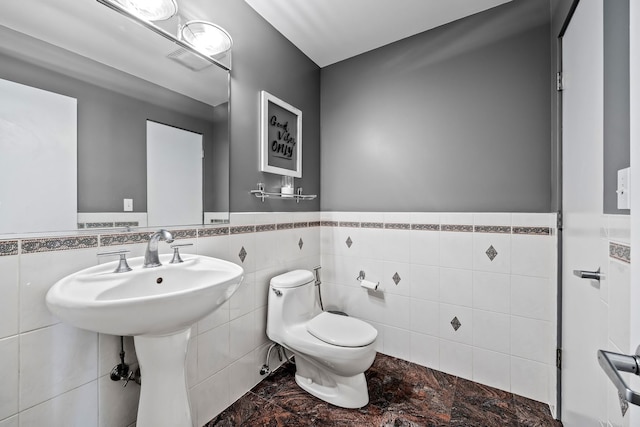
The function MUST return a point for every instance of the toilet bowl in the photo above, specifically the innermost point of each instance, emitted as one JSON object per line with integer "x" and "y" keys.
{"x": 332, "y": 351}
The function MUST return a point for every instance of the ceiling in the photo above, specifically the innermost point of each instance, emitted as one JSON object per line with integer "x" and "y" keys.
{"x": 329, "y": 31}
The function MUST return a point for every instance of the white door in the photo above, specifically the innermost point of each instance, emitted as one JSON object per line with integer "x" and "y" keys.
{"x": 38, "y": 146}
{"x": 174, "y": 176}
{"x": 582, "y": 177}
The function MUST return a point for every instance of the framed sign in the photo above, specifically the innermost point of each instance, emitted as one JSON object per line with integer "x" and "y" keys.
{"x": 280, "y": 137}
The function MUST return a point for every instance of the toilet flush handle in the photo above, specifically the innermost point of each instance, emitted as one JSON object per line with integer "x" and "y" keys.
{"x": 278, "y": 292}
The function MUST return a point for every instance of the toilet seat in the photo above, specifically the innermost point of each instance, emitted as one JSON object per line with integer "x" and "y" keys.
{"x": 341, "y": 331}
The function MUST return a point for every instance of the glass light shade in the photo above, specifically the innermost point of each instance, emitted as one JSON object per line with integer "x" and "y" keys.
{"x": 206, "y": 37}
{"x": 151, "y": 10}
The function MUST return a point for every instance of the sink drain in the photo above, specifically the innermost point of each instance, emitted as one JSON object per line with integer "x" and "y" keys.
{"x": 159, "y": 280}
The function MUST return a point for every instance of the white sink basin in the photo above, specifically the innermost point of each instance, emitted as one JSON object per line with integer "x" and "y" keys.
{"x": 157, "y": 305}
{"x": 145, "y": 301}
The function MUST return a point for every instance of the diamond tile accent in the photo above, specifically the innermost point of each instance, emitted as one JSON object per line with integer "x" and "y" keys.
{"x": 242, "y": 254}
{"x": 349, "y": 242}
{"x": 396, "y": 278}
{"x": 455, "y": 323}
{"x": 300, "y": 243}
{"x": 491, "y": 252}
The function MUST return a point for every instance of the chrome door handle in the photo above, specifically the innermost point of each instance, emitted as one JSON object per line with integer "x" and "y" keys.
{"x": 593, "y": 275}
{"x": 614, "y": 363}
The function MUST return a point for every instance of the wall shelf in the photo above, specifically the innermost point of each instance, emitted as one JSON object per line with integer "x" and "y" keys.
{"x": 260, "y": 193}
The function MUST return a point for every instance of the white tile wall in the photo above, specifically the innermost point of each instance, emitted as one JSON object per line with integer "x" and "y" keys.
{"x": 112, "y": 395}
{"x": 615, "y": 310}
{"x": 75, "y": 408}
{"x": 9, "y": 306}
{"x": 491, "y": 291}
{"x": 506, "y": 307}
{"x": 54, "y": 360}
{"x": 38, "y": 272}
{"x": 9, "y": 377}
{"x": 491, "y": 368}
{"x": 442, "y": 275}
{"x": 54, "y": 374}
{"x": 10, "y": 422}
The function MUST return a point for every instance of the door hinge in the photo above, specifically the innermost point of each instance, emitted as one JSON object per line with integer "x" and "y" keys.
{"x": 559, "y": 81}
{"x": 558, "y": 358}
{"x": 559, "y": 220}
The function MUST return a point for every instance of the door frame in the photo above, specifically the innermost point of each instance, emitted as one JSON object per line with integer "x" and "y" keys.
{"x": 558, "y": 202}
{"x": 634, "y": 111}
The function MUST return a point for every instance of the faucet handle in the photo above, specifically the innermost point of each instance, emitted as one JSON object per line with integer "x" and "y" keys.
{"x": 176, "y": 252}
{"x": 122, "y": 267}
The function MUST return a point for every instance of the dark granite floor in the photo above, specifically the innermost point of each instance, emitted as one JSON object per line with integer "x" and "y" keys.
{"x": 400, "y": 394}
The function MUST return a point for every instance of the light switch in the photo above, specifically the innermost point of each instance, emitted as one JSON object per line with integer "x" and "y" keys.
{"x": 623, "y": 189}
{"x": 128, "y": 205}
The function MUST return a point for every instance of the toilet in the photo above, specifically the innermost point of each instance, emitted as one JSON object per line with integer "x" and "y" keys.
{"x": 332, "y": 351}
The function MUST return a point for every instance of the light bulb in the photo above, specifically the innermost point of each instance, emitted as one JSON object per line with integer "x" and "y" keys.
{"x": 151, "y": 10}
{"x": 206, "y": 37}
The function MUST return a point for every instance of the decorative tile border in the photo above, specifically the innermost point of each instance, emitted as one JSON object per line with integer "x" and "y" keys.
{"x": 536, "y": 231}
{"x": 124, "y": 239}
{"x": 351, "y": 224}
{"x": 31, "y": 246}
{"x": 8, "y": 247}
{"x": 397, "y": 226}
{"x": 620, "y": 252}
{"x": 118, "y": 224}
{"x": 242, "y": 229}
{"x": 329, "y": 223}
{"x": 213, "y": 232}
{"x": 492, "y": 229}
{"x": 127, "y": 224}
{"x": 372, "y": 225}
{"x": 14, "y": 247}
{"x": 458, "y": 228}
{"x": 190, "y": 233}
{"x": 98, "y": 224}
{"x": 425, "y": 227}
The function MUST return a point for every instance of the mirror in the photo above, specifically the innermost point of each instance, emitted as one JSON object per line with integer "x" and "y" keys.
{"x": 121, "y": 76}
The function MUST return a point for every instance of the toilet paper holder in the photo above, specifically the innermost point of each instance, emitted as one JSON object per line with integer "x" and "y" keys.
{"x": 366, "y": 284}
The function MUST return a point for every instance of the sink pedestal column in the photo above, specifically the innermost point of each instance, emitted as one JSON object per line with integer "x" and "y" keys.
{"x": 164, "y": 399}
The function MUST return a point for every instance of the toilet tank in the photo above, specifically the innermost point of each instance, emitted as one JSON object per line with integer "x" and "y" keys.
{"x": 295, "y": 303}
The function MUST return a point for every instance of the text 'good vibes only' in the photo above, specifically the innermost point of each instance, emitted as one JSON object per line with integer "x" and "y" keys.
{"x": 284, "y": 142}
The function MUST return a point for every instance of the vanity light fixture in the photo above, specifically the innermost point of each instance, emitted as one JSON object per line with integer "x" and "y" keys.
{"x": 151, "y": 10}
{"x": 206, "y": 37}
{"x": 203, "y": 39}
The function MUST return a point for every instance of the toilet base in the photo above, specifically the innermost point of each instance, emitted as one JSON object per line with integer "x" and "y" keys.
{"x": 345, "y": 392}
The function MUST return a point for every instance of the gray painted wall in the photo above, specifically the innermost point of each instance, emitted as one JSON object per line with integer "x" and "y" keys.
{"x": 616, "y": 99}
{"x": 263, "y": 59}
{"x": 454, "y": 119}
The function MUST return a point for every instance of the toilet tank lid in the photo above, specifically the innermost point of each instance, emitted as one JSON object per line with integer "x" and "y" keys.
{"x": 342, "y": 331}
{"x": 292, "y": 279}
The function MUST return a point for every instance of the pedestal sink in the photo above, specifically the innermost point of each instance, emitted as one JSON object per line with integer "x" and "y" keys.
{"x": 157, "y": 306}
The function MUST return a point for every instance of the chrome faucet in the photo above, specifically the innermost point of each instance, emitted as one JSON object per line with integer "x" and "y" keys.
{"x": 151, "y": 258}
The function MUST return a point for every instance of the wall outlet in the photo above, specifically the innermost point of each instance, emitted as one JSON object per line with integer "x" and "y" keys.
{"x": 128, "y": 205}
{"x": 623, "y": 190}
